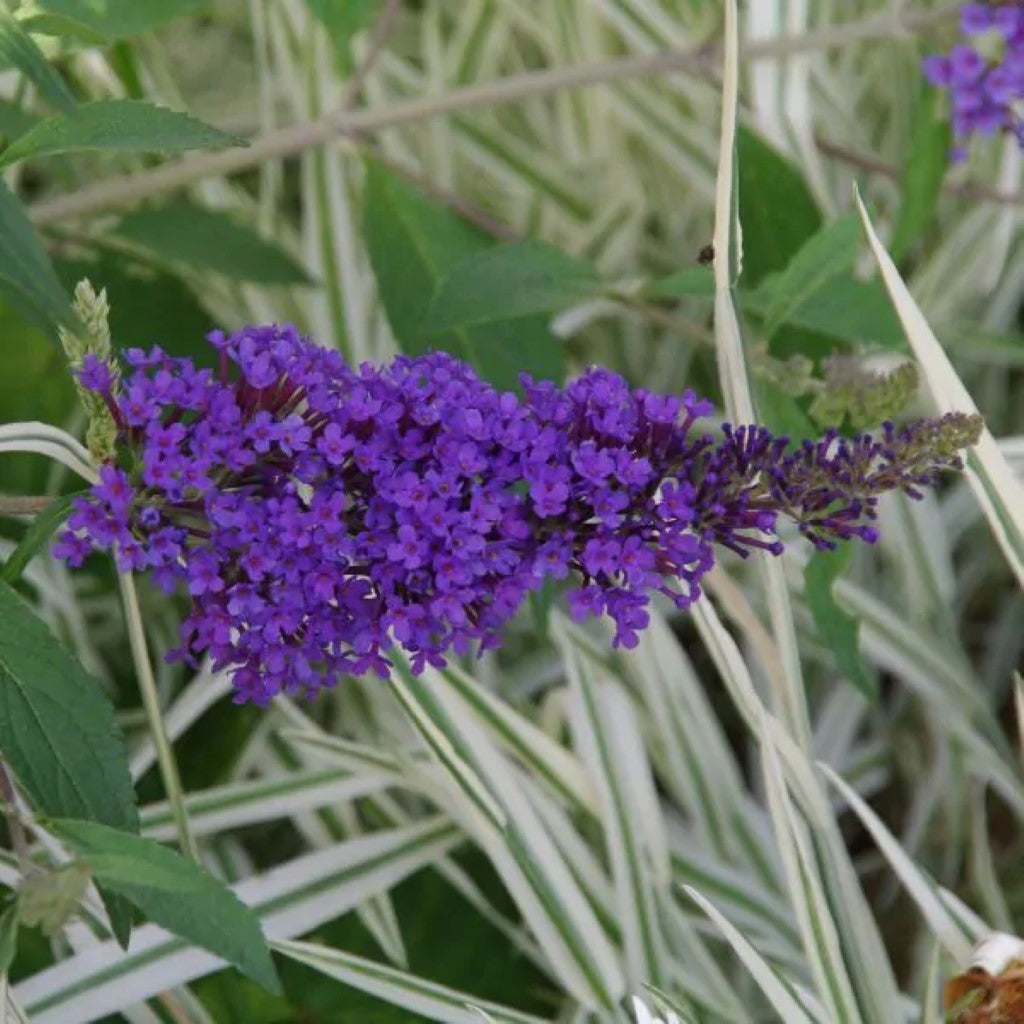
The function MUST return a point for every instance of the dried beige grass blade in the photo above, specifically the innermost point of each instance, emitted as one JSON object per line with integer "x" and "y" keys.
{"x": 727, "y": 240}
{"x": 998, "y": 492}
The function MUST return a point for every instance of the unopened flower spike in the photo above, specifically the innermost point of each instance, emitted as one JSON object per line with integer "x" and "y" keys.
{"x": 321, "y": 516}
{"x": 48, "y": 898}
{"x": 851, "y": 391}
{"x": 90, "y": 356}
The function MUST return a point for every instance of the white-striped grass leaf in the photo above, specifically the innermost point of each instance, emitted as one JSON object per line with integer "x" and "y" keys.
{"x": 378, "y": 913}
{"x": 970, "y": 923}
{"x": 627, "y": 749}
{"x": 728, "y": 661}
{"x": 265, "y": 799}
{"x": 807, "y": 893}
{"x": 931, "y": 1009}
{"x": 188, "y": 707}
{"x": 925, "y": 659}
{"x": 51, "y": 450}
{"x": 337, "y": 823}
{"x": 399, "y": 988}
{"x": 446, "y": 743}
{"x": 347, "y": 754}
{"x": 695, "y": 969}
{"x": 583, "y": 860}
{"x": 306, "y": 742}
{"x": 32, "y": 430}
{"x": 699, "y": 768}
{"x": 862, "y": 942}
{"x": 463, "y": 884}
{"x": 515, "y": 839}
{"x": 999, "y": 493}
{"x": 291, "y": 899}
{"x": 946, "y": 683}
{"x": 863, "y": 948}
{"x": 758, "y": 911}
{"x": 778, "y": 993}
{"x": 606, "y": 732}
{"x": 920, "y": 888}
{"x": 545, "y": 758}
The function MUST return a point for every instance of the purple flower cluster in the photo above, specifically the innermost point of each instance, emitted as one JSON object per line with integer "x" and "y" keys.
{"x": 319, "y": 515}
{"x": 985, "y": 91}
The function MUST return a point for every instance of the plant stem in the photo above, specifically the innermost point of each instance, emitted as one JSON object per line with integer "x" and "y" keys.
{"x": 154, "y": 716}
{"x": 125, "y": 190}
{"x": 18, "y": 505}
{"x": 19, "y": 841}
{"x": 381, "y": 31}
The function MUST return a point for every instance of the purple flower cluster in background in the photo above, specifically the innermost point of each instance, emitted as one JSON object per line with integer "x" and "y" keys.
{"x": 985, "y": 82}
{"x": 318, "y": 515}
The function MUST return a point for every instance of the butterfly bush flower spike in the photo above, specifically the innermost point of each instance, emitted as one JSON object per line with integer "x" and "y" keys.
{"x": 984, "y": 77}
{"x": 318, "y": 516}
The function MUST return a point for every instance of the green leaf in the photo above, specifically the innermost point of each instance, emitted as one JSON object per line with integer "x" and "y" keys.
{"x": 780, "y": 412}
{"x": 844, "y": 309}
{"x": 776, "y": 208}
{"x": 414, "y": 243}
{"x": 923, "y": 173}
{"x": 66, "y": 28}
{"x": 27, "y": 277}
{"x": 508, "y": 281}
{"x": 343, "y": 20}
{"x": 107, "y": 19}
{"x": 8, "y": 936}
{"x": 42, "y": 528}
{"x": 175, "y": 893}
{"x": 826, "y": 254}
{"x": 58, "y": 734}
{"x": 692, "y": 281}
{"x": 182, "y": 231}
{"x": 57, "y": 729}
{"x": 127, "y": 126}
{"x": 19, "y": 49}
{"x": 14, "y": 120}
{"x": 837, "y": 629}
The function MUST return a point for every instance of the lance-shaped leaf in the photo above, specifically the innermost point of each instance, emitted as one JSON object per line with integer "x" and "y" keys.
{"x": 174, "y": 892}
{"x": 126, "y": 126}
{"x": 17, "y": 47}
{"x": 57, "y": 729}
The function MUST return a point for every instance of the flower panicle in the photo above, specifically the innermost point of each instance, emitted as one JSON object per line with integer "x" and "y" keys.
{"x": 321, "y": 516}
{"x": 984, "y": 78}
